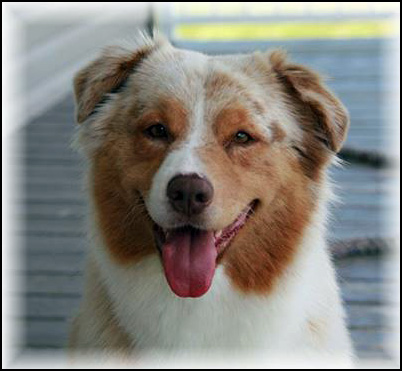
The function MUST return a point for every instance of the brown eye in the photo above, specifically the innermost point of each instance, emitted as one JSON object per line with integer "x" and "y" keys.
{"x": 157, "y": 131}
{"x": 242, "y": 137}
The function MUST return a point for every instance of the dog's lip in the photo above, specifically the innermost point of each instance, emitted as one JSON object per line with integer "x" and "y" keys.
{"x": 223, "y": 237}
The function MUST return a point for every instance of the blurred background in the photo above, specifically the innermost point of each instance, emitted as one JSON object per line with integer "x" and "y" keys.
{"x": 356, "y": 45}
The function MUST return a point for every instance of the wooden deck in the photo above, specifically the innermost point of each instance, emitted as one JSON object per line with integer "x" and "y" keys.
{"x": 52, "y": 221}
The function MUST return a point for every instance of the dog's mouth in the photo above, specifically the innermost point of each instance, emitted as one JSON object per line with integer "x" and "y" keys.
{"x": 189, "y": 254}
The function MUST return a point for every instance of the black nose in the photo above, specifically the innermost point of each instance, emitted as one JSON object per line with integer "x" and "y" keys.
{"x": 189, "y": 194}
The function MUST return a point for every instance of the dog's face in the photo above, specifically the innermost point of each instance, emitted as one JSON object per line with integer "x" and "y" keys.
{"x": 205, "y": 160}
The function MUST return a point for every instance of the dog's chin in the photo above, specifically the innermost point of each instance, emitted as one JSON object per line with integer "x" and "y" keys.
{"x": 189, "y": 253}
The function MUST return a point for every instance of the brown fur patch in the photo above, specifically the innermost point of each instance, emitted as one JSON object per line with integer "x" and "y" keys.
{"x": 270, "y": 238}
{"x": 122, "y": 218}
{"x": 122, "y": 173}
{"x": 321, "y": 115}
{"x": 103, "y": 76}
{"x": 326, "y": 113}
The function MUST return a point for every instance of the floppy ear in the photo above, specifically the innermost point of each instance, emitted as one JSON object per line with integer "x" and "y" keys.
{"x": 105, "y": 75}
{"x": 326, "y": 116}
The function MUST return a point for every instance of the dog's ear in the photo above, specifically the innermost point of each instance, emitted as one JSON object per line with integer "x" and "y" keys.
{"x": 105, "y": 75}
{"x": 329, "y": 120}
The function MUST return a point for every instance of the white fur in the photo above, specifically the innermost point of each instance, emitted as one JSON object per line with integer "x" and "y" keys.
{"x": 183, "y": 160}
{"x": 225, "y": 319}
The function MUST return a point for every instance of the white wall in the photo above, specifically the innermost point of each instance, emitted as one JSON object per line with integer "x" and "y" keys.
{"x": 56, "y": 39}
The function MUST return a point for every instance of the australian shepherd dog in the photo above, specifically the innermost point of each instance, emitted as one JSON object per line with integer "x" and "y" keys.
{"x": 208, "y": 196}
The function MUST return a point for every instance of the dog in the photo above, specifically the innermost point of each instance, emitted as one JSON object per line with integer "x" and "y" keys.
{"x": 208, "y": 188}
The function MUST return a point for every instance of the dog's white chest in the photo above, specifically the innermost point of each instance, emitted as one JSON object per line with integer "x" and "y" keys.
{"x": 222, "y": 318}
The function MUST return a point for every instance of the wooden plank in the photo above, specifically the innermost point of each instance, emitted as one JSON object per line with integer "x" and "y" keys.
{"x": 368, "y": 187}
{"x": 72, "y": 185}
{"x": 353, "y": 170}
{"x": 46, "y": 156}
{"x": 54, "y": 264}
{"x": 368, "y": 317}
{"x": 51, "y": 307}
{"x": 58, "y": 212}
{"x": 43, "y": 137}
{"x": 373, "y": 293}
{"x": 34, "y": 226}
{"x": 50, "y": 128}
{"x": 55, "y": 245}
{"x": 368, "y": 224}
{"x": 39, "y": 180}
{"x": 345, "y": 215}
{"x": 376, "y": 112}
{"x": 41, "y": 284}
{"x": 55, "y": 192}
{"x": 367, "y": 199}
{"x": 49, "y": 147}
{"x": 56, "y": 116}
{"x": 66, "y": 198}
{"x": 362, "y": 269}
{"x": 370, "y": 131}
{"x": 63, "y": 112}
{"x": 369, "y": 340}
{"x": 367, "y": 84}
{"x": 46, "y": 333}
{"x": 375, "y": 145}
{"x": 358, "y": 207}
{"x": 54, "y": 171}
{"x": 49, "y": 160}
{"x": 349, "y": 233}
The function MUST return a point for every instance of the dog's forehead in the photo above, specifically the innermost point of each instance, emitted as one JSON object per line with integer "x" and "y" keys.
{"x": 184, "y": 75}
{"x": 203, "y": 85}
{"x": 172, "y": 68}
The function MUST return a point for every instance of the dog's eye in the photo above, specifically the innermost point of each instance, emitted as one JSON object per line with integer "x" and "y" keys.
{"x": 157, "y": 131}
{"x": 241, "y": 137}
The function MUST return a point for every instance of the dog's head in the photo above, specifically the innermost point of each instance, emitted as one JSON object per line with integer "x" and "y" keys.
{"x": 205, "y": 160}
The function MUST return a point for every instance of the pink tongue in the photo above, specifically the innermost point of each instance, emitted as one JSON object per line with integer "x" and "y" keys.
{"x": 189, "y": 260}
